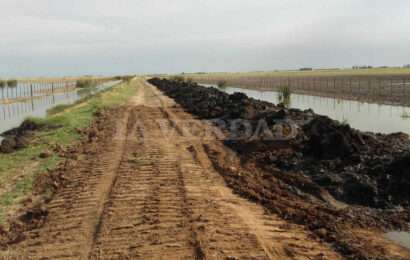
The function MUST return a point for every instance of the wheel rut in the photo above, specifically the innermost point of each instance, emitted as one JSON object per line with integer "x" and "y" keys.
{"x": 151, "y": 192}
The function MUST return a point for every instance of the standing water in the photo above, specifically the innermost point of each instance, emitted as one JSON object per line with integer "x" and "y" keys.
{"x": 363, "y": 116}
{"x": 13, "y": 114}
{"x": 401, "y": 238}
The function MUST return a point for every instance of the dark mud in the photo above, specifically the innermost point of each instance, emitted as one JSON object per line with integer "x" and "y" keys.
{"x": 358, "y": 168}
{"x": 329, "y": 177}
{"x": 19, "y": 138}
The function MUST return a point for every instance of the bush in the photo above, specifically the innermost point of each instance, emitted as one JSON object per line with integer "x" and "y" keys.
{"x": 2, "y": 83}
{"x": 285, "y": 92}
{"x": 127, "y": 78}
{"x": 12, "y": 83}
{"x": 189, "y": 80}
{"x": 222, "y": 83}
{"x": 177, "y": 78}
{"x": 58, "y": 109}
{"x": 85, "y": 83}
{"x": 284, "y": 95}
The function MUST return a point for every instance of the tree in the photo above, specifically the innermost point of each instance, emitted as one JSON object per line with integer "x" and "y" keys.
{"x": 2, "y": 86}
{"x": 12, "y": 83}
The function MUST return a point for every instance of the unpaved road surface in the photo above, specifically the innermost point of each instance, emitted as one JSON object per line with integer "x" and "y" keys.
{"x": 150, "y": 192}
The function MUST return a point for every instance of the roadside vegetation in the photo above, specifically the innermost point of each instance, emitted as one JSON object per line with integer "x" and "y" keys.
{"x": 2, "y": 87}
{"x": 177, "y": 78}
{"x": 126, "y": 78}
{"x": 222, "y": 83}
{"x": 19, "y": 170}
{"x": 285, "y": 96}
{"x": 86, "y": 83}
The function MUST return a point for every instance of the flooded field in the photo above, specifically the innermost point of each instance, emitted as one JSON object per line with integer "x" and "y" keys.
{"x": 12, "y": 114}
{"x": 363, "y": 116}
{"x": 28, "y": 90}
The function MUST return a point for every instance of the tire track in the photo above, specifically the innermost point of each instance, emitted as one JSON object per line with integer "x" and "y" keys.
{"x": 75, "y": 211}
{"x": 147, "y": 195}
{"x": 147, "y": 217}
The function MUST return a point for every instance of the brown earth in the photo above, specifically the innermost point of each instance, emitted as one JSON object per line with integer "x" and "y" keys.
{"x": 142, "y": 187}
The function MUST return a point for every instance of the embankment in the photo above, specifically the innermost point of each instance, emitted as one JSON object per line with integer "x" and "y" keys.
{"x": 307, "y": 168}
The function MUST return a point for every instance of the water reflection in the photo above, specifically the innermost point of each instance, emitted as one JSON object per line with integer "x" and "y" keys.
{"x": 285, "y": 97}
{"x": 360, "y": 115}
{"x": 13, "y": 114}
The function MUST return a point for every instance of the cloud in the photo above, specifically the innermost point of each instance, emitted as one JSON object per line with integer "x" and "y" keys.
{"x": 184, "y": 35}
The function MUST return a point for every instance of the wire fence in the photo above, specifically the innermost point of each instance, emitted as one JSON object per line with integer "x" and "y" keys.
{"x": 379, "y": 89}
{"x": 29, "y": 90}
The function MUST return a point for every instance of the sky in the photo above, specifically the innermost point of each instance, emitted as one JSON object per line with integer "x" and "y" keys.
{"x": 106, "y": 37}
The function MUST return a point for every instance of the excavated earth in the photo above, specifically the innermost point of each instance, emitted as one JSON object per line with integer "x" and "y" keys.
{"x": 152, "y": 181}
{"x": 331, "y": 178}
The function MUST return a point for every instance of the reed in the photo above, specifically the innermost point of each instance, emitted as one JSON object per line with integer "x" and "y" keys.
{"x": 222, "y": 83}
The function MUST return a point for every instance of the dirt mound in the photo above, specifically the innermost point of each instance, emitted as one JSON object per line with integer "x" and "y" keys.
{"x": 355, "y": 167}
{"x": 398, "y": 185}
{"x": 13, "y": 143}
{"x": 320, "y": 178}
{"x": 328, "y": 139}
{"x": 210, "y": 102}
{"x": 18, "y": 138}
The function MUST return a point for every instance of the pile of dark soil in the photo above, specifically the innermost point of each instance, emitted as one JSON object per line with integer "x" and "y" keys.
{"x": 18, "y": 138}
{"x": 331, "y": 178}
{"x": 357, "y": 168}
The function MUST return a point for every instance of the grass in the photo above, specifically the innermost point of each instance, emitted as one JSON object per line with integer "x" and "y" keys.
{"x": 285, "y": 94}
{"x": 85, "y": 83}
{"x": 19, "y": 170}
{"x": 177, "y": 78}
{"x": 344, "y": 121}
{"x": 58, "y": 109}
{"x": 222, "y": 83}
{"x": 405, "y": 115}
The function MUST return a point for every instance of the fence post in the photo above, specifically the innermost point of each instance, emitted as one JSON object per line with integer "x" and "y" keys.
{"x": 369, "y": 82}
{"x": 360, "y": 87}
{"x": 391, "y": 87}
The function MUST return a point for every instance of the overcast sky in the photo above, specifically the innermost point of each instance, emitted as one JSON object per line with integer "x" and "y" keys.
{"x": 56, "y": 37}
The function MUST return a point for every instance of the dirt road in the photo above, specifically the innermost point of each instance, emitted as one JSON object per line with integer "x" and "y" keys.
{"x": 150, "y": 192}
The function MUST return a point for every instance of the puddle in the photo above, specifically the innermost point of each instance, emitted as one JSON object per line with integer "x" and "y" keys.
{"x": 401, "y": 238}
{"x": 363, "y": 116}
